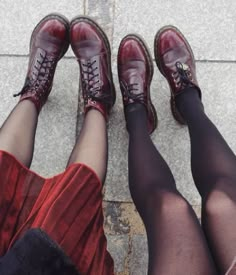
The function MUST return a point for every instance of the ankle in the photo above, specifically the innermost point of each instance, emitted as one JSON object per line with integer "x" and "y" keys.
{"x": 95, "y": 115}
{"x": 99, "y": 109}
{"x": 30, "y": 103}
{"x": 134, "y": 107}
{"x": 189, "y": 102}
{"x": 136, "y": 117}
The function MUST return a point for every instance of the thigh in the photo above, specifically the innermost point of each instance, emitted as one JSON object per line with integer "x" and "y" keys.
{"x": 176, "y": 241}
{"x": 219, "y": 208}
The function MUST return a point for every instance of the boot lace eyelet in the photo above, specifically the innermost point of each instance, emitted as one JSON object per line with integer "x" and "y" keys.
{"x": 182, "y": 76}
{"x": 92, "y": 84}
{"x": 42, "y": 71}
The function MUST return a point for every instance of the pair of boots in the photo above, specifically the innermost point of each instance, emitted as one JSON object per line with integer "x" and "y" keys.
{"x": 50, "y": 41}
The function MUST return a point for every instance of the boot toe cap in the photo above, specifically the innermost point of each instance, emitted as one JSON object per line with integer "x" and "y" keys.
{"x": 130, "y": 49}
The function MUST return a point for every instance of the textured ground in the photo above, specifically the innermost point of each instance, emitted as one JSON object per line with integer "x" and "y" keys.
{"x": 210, "y": 28}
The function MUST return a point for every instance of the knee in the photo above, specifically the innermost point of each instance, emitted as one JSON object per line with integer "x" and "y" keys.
{"x": 151, "y": 186}
{"x": 167, "y": 203}
{"x": 173, "y": 203}
{"x": 221, "y": 199}
{"x": 158, "y": 197}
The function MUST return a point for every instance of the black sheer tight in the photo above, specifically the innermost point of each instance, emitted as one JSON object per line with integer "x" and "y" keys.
{"x": 176, "y": 242}
{"x": 17, "y": 134}
{"x": 214, "y": 172}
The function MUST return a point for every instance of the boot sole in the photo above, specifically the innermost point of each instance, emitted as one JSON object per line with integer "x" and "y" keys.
{"x": 150, "y": 63}
{"x": 90, "y": 21}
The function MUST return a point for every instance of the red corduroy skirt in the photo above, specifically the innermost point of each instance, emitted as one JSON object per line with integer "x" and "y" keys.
{"x": 68, "y": 207}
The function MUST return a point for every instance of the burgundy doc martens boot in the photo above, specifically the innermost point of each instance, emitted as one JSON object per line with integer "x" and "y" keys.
{"x": 92, "y": 50}
{"x": 49, "y": 42}
{"x": 175, "y": 60}
{"x": 135, "y": 70}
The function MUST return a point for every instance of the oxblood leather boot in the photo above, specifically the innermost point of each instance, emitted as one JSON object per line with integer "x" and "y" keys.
{"x": 92, "y": 50}
{"x": 135, "y": 70}
{"x": 175, "y": 60}
{"x": 49, "y": 42}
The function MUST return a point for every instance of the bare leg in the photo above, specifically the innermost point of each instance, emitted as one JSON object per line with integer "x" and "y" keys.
{"x": 214, "y": 172}
{"x": 176, "y": 242}
{"x": 91, "y": 146}
{"x": 17, "y": 134}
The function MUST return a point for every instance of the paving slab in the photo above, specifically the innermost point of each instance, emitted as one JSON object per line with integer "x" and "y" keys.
{"x": 103, "y": 12}
{"x": 139, "y": 255}
{"x": 118, "y": 247}
{"x": 208, "y": 25}
{"x": 171, "y": 139}
{"x": 115, "y": 220}
{"x": 55, "y": 136}
{"x": 18, "y": 19}
{"x": 57, "y": 124}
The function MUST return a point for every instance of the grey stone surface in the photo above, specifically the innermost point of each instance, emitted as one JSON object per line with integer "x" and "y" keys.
{"x": 18, "y": 19}
{"x": 113, "y": 219}
{"x": 139, "y": 255}
{"x": 116, "y": 183}
{"x": 118, "y": 247}
{"x": 102, "y": 11}
{"x": 57, "y": 122}
{"x": 198, "y": 20}
{"x": 11, "y": 81}
{"x": 218, "y": 87}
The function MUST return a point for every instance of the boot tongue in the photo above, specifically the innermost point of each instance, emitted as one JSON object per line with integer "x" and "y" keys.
{"x": 88, "y": 49}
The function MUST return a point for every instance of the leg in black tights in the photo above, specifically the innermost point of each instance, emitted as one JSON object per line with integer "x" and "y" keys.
{"x": 214, "y": 172}
{"x": 176, "y": 242}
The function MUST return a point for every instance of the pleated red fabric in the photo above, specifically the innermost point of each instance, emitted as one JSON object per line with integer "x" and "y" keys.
{"x": 68, "y": 207}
